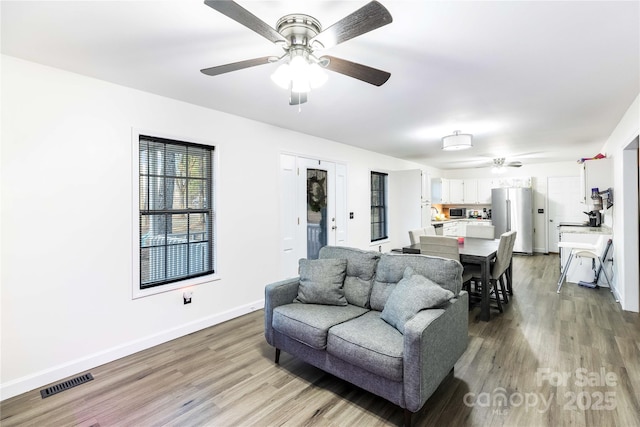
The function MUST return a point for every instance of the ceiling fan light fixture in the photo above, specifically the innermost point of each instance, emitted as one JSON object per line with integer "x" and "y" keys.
{"x": 317, "y": 76}
{"x": 498, "y": 166}
{"x": 457, "y": 141}
{"x": 299, "y": 74}
{"x": 282, "y": 76}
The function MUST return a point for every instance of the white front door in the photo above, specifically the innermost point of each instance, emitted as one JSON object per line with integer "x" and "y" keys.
{"x": 313, "y": 203}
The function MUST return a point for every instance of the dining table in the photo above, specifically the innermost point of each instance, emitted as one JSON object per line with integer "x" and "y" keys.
{"x": 473, "y": 251}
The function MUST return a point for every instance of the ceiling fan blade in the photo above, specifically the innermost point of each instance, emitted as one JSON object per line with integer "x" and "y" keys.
{"x": 297, "y": 98}
{"x": 369, "y": 17}
{"x": 358, "y": 71}
{"x": 221, "y": 69}
{"x": 514, "y": 164}
{"x": 241, "y": 15}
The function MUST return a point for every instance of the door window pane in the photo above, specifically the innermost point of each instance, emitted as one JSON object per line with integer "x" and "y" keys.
{"x": 316, "y": 211}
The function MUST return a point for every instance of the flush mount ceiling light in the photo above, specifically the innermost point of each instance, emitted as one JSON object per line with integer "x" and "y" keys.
{"x": 457, "y": 141}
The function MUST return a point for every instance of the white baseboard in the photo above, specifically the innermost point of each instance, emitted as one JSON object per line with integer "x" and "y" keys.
{"x": 31, "y": 382}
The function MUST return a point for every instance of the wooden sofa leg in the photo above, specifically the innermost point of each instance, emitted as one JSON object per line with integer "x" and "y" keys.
{"x": 407, "y": 417}
{"x": 277, "y": 356}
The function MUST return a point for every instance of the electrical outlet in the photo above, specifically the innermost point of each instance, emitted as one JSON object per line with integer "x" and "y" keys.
{"x": 186, "y": 297}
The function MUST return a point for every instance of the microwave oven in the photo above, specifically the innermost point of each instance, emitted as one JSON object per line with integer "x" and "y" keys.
{"x": 457, "y": 213}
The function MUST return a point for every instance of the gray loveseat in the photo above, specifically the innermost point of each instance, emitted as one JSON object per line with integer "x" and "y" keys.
{"x": 402, "y": 354}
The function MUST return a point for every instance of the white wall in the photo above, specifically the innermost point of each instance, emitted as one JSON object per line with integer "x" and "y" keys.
{"x": 66, "y": 193}
{"x": 622, "y": 146}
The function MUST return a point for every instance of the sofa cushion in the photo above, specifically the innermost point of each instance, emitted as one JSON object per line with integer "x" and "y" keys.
{"x": 310, "y": 323}
{"x": 444, "y": 272}
{"x": 370, "y": 343}
{"x": 361, "y": 269}
{"x": 412, "y": 294}
{"x": 322, "y": 281}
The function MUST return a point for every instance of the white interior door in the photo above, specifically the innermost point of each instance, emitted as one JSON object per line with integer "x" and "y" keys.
{"x": 288, "y": 216}
{"x": 564, "y": 205}
{"x": 314, "y": 208}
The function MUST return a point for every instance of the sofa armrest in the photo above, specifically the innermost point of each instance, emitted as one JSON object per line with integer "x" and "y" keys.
{"x": 277, "y": 294}
{"x": 434, "y": 340}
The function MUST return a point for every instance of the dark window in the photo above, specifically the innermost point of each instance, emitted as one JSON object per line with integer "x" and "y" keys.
{"x": 378, "y": 206}
{"x": 176, "y": 212}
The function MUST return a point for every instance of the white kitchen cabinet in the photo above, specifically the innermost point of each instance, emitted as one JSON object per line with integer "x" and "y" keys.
{"x": 456, "y": 191}
{"x": 439, "y": 191}
{"x": 594, "y": 174}
{"x": 446, "y": 194}
{"x": 470, "y": 188}
{"x": 426, "y": 187}
{"x": 484, "y": 191}
{"x": 436, "y": 190}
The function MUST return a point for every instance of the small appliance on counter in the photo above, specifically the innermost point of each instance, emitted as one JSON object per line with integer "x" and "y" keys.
{"x": 457, "y": 213}
{"x": 595, "y": 214}
{"x": 474, "y": 214}
{"x": 595, "y": 218}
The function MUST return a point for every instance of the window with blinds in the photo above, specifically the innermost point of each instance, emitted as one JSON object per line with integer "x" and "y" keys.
{"x": 378, "y": 206}
{"x": 176, "y": 212}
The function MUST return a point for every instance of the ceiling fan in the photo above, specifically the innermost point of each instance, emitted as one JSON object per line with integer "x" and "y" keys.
{"x": 499, "y": 164}
{"x": 300, "y": 36}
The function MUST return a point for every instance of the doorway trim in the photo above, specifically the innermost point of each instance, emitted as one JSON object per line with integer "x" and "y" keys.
{"x": 293, "y": 205}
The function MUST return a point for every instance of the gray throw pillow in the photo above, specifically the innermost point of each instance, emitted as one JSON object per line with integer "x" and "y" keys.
{"x": 322, "y": 281}
{"x": 412, "y": 294}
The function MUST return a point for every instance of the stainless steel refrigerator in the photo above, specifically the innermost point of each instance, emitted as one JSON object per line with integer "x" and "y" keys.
{"x": 512, "y": 209}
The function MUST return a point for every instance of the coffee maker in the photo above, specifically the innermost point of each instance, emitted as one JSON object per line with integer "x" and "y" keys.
{"x": 595, "y": 218}
{"x": 595, "y": 215}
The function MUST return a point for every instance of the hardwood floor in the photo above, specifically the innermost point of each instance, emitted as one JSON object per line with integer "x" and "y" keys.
{"x": 569, "y": 359}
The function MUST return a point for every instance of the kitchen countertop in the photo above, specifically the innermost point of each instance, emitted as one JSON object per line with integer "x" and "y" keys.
{"x": 433, "y": 221}
{"x": 580, "y": 229}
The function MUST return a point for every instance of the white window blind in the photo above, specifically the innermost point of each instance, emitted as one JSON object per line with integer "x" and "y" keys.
{"x": 176, "y": 212}
{"x": 378, "y": 206}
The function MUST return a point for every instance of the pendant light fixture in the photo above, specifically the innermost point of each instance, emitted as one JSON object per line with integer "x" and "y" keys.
{"x": 457, "y": 141}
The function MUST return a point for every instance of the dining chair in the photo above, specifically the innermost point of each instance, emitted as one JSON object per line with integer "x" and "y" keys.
{"x": 414, "y": 235}
{"x": 498, "y": 268}
{"x": 480, "y": 231}
{"x": 584, "y": 250}
{"x": 443, "y": 247}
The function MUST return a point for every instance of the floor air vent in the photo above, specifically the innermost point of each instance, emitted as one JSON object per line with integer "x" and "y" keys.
{"x": 65, "y": 385}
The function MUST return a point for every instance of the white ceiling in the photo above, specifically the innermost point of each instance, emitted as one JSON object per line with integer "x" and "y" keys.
{"x": 537, "y": 81}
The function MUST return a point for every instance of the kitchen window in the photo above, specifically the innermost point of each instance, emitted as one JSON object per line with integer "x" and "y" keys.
{"x": 379, "y": 212}
{"x": 175, "y": 239}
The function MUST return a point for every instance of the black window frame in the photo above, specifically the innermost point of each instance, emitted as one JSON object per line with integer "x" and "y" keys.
{"x": 208, "y": 180}
{"x": 379, "y": 193}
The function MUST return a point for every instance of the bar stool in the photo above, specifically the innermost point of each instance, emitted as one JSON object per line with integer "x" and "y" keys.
{"x": 583, "y": 250}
